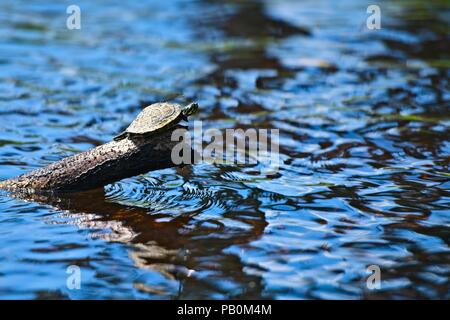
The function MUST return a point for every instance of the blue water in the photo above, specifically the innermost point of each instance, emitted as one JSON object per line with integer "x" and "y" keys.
{"x": 364, "y": 119}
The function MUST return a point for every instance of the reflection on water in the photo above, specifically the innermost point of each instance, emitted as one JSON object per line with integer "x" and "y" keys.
{"x": 364, "y": 126}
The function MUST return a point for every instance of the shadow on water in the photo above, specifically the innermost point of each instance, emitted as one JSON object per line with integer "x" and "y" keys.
{"x": 177, "y": 247}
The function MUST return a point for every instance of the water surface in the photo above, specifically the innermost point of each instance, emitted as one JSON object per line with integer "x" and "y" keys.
{"x": 364, "y": 120}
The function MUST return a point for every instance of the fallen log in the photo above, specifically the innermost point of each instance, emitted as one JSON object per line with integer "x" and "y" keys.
{"x": 99, "y": 166}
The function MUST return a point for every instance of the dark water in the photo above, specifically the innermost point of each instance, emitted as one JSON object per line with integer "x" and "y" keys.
{"x": 364, "y": 119}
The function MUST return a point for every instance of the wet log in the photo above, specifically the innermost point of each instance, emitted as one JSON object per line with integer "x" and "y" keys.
{"x": 99, "y": 166}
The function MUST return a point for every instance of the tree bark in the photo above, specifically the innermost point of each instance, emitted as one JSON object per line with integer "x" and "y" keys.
{"x": 99, "y": 166}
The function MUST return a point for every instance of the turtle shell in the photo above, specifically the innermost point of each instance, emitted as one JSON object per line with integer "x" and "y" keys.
{"x": 152, "y": 119}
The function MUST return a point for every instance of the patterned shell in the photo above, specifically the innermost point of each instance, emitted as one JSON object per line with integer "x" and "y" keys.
{"x": 154, "y": 117}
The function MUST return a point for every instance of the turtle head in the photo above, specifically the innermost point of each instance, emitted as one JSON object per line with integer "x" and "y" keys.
{"x": 190, "y": 109}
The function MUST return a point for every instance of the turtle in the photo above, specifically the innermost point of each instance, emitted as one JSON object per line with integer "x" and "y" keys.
{"x": 156, "y": 118}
